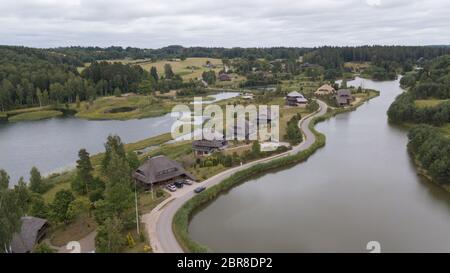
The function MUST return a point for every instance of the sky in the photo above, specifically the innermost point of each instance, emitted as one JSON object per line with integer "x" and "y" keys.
{"x": 229, "y": 23}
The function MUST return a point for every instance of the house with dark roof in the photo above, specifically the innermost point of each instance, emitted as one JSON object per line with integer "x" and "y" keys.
{"x": 344, "y": 97}
{"x": 206, "y": 147}
{"x": 224, "y": 77}
{"x": 158, "y": 170}
{"x": 296, "y": 99}
{"x": 31, "y": 233}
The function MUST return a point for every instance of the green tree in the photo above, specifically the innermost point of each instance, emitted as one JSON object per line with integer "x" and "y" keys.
{"x": 154, "y": 73}
{"x": 4, "y": 179}
{"x": 168, "y": 73}
{"x": 60, "y": 205}
{"x": 23, "y": 195}
{"x": 38, "y": 207}
{"x": 83, "y": 180}
{"x": 133, "y": 160}
{"x": 118, "y": 192}
{"x": 113, "y": 145}
{"x": 10, "y": 214}
{"x": 109, "y": 238}
{"x": 36, "y": 184}
{"x": 117, "y": 92}
{"x": 76, "y": 208}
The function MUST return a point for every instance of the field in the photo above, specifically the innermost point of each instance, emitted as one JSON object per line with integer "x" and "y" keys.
{"x": 35, "y": 115}
{"x": 446, "y": 129}
{"x": 121, "y": 108}
{"x": 191, "y": 68}
{"x": 428, "y": 102}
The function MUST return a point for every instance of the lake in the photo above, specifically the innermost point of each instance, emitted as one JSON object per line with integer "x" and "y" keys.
{"x": 362, "y": 186}
{"x": 52, "y": 145}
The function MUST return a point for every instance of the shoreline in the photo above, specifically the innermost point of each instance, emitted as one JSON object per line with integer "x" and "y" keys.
{"x": 185, "y": 213}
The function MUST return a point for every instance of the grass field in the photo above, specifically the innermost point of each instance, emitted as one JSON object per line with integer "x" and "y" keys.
{"x": 191, "y": 68}
{"x": 35, "y": 115}
{"x": 428, "y": 103}
{"x": 445, "y": 129}
{"x": 122, "y": 108}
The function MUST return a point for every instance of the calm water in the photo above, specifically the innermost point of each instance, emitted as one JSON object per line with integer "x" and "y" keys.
{"x": 361, "y": 187}
{"x": 53, "y": 144}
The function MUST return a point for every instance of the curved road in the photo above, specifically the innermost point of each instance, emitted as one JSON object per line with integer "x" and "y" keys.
{"x": 159, "y": 220}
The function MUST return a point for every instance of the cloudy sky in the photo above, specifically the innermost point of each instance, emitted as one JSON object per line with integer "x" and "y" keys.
{"x": 229, "y": 23}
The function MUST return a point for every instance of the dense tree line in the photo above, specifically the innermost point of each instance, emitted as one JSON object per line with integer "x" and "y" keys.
{"x": 432, "y": 150}
{"x": 433, "y": 82}
{"x": 403, "y": 109}
{"x": 108, "y": 76}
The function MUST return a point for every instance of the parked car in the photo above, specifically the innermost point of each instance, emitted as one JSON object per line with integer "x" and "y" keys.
{"x": 171, "y": 187}
{"x": 178, "y": 184}
{"x": 199, "y": 189}
{"x": 188, "y": 182}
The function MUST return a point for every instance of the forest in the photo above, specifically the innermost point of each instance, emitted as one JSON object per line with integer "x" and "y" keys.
{"x": 432, "y": 150}
{"x": 433, "y": 83}
{"x": 38, "y": 77}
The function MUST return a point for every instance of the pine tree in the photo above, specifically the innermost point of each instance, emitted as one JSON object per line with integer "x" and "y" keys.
{"x": 84, "y": 177}
{"x": 36, "y": 180}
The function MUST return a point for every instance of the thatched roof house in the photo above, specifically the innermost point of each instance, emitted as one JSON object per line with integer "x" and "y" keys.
{"x": 325, "y": 89}
{"x": 31, "y": 233}
{"x": 160, "y": 169}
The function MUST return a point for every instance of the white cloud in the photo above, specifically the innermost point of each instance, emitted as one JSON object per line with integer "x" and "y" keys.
{"x": 156, "y": 23}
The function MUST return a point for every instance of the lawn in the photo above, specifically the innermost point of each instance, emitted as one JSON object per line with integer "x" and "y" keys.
{"x": 35, "y": 115}
{"x": 428, "y": 103}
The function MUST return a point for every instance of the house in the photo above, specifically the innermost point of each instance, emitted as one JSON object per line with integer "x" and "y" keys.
{"x": 244, "y": 132}
{"x": 247, "y": 96}
{"x": 206, "y": 147}
{"x": 325, "y": 90}
{"x": 267, "y": 116}
{"x": 224, "y": 77}
{"x": 160, "y": 169}
{"x": 31, "y": 233}
{"x": 344, "y": 97}
{"x": 296, "y": 99}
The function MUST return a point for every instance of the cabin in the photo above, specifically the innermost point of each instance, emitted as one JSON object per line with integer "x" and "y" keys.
{"x": 206, "y": 147}
{"x": 325, "y": 90}
{"x": 224, "y": 77}
{"x": 344, "y": 97}
{"x": 160, "y": 170}
{"x": 296, "y": 99}
{"x": 265, "y": 117}
{"x": 32, "y": 232}
{"x": 244, "y": 132}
